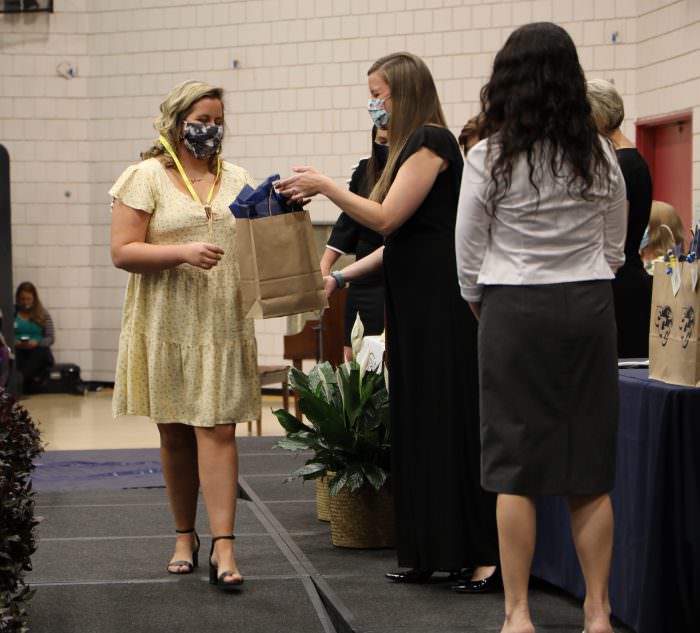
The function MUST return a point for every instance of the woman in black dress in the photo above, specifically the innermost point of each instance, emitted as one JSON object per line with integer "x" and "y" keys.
{"x": 365, "y": 295}
{"x": 632, "y": 286}
{"x": 445, "y": 521}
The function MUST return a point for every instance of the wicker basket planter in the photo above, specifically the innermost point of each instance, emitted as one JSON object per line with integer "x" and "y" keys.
{"x": 323, "y": 502}
{"x": 363, "y": 519}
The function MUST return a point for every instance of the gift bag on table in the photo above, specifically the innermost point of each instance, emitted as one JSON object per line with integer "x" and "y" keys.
{"x": 674, "y": 351}
{"x": 279, "y": 266}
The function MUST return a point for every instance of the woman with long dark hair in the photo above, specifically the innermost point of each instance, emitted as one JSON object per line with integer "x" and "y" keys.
{"x": 540, "y": 231}
{"x": 444, "y": 520}
{"x": 34, "y": 336}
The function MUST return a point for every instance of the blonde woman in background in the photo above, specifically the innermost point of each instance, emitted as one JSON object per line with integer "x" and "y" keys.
{"x": 444, "y": 520}
{"x": 665, "y": 231}
{"x": 187, "y": 356}
{"x": 631, "y": 286}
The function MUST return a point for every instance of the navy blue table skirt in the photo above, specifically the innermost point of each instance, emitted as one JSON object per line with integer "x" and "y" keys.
{"x": 655, "y": 578}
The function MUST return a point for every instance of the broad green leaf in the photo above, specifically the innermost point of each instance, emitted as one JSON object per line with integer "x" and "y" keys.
{"x": 328, "y": 422}
{"x": 299, "y": 381}
{"x": 294, "y": 444}
{"x": 375, "y": 475}
{"x": 337, "y": 483}
{"x": 356, "y": 479}
{"x": 289, "y": 423}
{"x": 316, "y": 381}
{"x": 328, "y": 381}
{"x": 349, "y": 384}
{"x": 310, "y": 469}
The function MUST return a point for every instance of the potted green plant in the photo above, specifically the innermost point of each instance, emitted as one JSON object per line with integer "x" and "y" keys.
{"x": 347, "y": 409}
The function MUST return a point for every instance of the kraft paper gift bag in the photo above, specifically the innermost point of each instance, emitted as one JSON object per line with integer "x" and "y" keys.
{"x": 279, "y": 266}
{"x": 674, "y": 352}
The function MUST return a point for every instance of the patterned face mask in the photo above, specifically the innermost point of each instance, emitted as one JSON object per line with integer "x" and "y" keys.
{"x": 380, "y": 117}
{"x": 202, "y": 140}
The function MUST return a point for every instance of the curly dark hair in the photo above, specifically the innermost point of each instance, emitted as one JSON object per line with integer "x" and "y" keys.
{"x": 534, "y": 101}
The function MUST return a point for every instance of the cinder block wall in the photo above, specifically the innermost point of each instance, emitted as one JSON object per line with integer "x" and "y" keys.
{"x": 297, "y": 96}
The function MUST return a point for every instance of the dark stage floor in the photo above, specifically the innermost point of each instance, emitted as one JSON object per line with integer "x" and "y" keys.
{"x": 106, "y": 536}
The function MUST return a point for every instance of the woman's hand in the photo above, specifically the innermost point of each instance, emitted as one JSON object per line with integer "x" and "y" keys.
{"x": 30, "y": 344}
{"x": 329, "y": 285}
{"x": 202, "y": 254}
{"x": 306, "y": 182}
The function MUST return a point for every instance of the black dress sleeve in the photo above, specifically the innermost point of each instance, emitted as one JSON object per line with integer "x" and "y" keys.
{"x": 437, "y": 139}
{"x": 346, "y": 232}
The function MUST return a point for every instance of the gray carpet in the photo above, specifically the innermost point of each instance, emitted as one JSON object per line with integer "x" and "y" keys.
{"x": 104, "y": 542}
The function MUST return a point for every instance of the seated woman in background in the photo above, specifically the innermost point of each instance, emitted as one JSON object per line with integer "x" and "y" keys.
{"x": 34, "y": 336}
{"x": 665, "y": 231}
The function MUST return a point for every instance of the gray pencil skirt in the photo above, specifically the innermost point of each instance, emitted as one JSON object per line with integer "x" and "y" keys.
{"x": 549, "y": 389}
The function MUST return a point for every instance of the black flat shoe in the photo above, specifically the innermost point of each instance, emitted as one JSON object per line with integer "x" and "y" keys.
{"x": 189, "y": 565}
{"x": 221, "y": 580}
{"x": 423, "y": 575}
{"x": 410, "y": 576}
{"x": 486, "y": 585}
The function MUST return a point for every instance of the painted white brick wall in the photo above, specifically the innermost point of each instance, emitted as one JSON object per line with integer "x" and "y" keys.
{"x": 297, "y": 97}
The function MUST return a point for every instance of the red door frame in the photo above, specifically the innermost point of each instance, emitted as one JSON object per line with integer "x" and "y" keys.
{"x": 646, "y": 144}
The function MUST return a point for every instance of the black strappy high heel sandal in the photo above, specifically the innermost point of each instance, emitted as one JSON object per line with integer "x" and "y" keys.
{"x": 185, "y": 563}
{"x": 219, "y": 579}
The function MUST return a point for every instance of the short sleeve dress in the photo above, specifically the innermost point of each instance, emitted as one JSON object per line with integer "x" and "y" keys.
{"x": 444, "y": 519}
{"x": 186, "y": 353}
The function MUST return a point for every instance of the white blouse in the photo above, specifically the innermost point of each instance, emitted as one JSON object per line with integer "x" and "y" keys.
{"x": 564, "y": 239}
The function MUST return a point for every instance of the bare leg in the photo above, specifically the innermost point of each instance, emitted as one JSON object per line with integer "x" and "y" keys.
{"x": 516, "y": 538}
{"x": 178, "y": 456}
{"x": 218, "y": 474}
{"x": 592, "y": 530}
{"x": 482, "y": 572}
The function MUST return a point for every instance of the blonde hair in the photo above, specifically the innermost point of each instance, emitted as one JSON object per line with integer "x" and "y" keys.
{"x": 607, "y": 107}
{"x": 665, "y": 229}
{"x": 173, "y": 111}
{"x": 415, "y": 102}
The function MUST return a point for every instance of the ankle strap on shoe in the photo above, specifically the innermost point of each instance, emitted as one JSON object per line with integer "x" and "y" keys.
{"x": 185, "y": 531}
{"x": 223, "y": 538}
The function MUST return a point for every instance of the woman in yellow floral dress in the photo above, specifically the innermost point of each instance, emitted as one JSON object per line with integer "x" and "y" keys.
{"x": 187, "y": 356}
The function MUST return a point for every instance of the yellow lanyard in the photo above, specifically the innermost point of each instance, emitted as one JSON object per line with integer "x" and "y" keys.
{"x": 207, "y": 205}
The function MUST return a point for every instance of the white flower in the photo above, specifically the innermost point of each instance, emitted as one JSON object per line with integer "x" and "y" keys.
{"x": 364, "y": 359}
{"x": 356, "y": 336}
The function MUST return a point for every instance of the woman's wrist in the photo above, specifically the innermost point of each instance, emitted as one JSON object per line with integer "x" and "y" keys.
{"x": 327, "y": 185}
{"x": 339, "y": 278}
